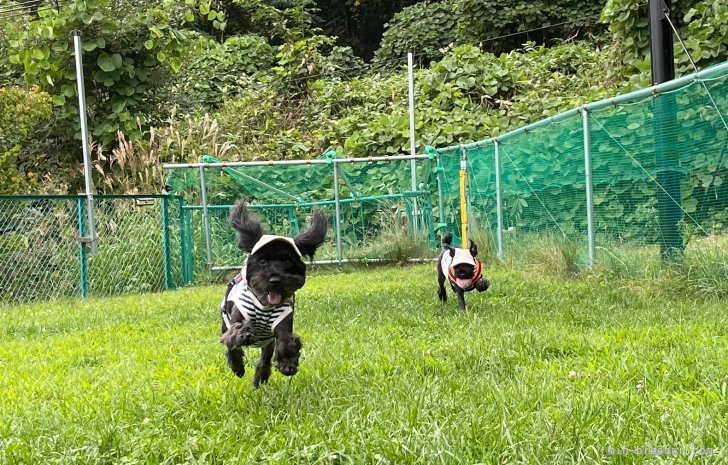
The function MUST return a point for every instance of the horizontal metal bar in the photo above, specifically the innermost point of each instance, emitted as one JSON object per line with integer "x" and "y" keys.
{"x": 42, "y": 197}
{"x": 337, "y": 262}
{"x": 600, "y": 104}
{"x": 83, "y": 196}
{"x": 315, "y": 161}
{"x": 312, "y": 204}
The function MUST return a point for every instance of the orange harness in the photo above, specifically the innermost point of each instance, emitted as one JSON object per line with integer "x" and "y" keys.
{"x": 477, "y": 274}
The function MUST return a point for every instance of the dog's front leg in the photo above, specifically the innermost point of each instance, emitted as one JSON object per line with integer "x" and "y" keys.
{"x": 236, "y": 360}
{"x": 287, "y": 347}
{"x": 461, "y": 298}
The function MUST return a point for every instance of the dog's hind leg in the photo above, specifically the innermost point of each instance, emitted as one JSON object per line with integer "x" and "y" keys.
{"x": 236, "y": 360}
{"x": 441, "y": 291}
{"x": 262, "y": 369}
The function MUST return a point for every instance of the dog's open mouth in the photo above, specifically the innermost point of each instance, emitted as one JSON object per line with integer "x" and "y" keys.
{"x": 274, "y": 298}
{"x": 463, "y": 283}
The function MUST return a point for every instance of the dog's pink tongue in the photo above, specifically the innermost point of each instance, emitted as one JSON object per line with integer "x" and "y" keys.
{"x": 463, "y": 283}
{"x": 274, "y": 298}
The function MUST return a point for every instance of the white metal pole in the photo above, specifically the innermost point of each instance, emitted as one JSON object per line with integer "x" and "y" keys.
{"x": 206, "y": 219}
{"x": 413, "y": 149}
{"x": 588, "y": 180}
{"x": 85, "y": 142}
{"x": 498, "y": 200}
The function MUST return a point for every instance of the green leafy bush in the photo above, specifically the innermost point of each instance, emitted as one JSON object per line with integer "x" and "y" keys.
{"x": 424, "y": 28}
{"x": 21, "y": 112}
{"x": 211, "y": 72}
{"x": 703, "y": 25}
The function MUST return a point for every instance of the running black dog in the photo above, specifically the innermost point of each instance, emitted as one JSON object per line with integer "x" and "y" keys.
{"x": 257, "y": 310}
{"x": 461, "y": 268}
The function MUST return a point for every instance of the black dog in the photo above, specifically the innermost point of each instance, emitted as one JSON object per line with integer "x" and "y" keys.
{"x": 461, "y": 268}
{"x": 257, "y": 309}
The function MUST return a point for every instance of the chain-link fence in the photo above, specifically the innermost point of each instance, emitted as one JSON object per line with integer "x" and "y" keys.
{"x": 43, "y": 256}
{"x": 640, "y": 177}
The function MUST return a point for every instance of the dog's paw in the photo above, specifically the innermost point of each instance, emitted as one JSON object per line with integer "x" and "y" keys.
{"x": 482, "y": 285}
{"x": 287, "y": 367}
{"x": 236, "y": 362}
{"x": 239, "y": 371}
{"x": 247, "y": 333}
{"x": 287, "y": 353}
{"x": 442, "y": 295}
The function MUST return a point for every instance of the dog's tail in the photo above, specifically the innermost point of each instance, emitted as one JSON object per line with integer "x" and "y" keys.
{"x": 447, "y": 239}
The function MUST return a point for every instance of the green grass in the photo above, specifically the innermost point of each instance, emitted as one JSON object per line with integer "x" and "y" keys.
{"x": 540, "y": 370}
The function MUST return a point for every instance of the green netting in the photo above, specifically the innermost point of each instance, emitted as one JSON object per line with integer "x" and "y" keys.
{"x": 378, "y": 209}
{"x": 659, "y": 166}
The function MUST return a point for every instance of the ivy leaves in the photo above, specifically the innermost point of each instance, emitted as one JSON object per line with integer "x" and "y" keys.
{"x": 120, "y": 59}
{"x": 703, "y": 25}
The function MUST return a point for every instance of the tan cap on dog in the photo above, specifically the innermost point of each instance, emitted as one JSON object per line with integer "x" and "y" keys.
{"x": 268, "y": 238}
{"x": 462, "y": 256}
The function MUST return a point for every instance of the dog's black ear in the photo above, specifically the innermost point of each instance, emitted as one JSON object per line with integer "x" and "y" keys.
{"x": 248, "y": 227}
{"x": 447, "y": 239}
{"x": 473, "y": 249}
{"x": 310, "y": 240}
{"x": 451, "y": 250}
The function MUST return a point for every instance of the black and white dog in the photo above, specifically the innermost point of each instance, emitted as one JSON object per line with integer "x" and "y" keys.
{"x": 461, "y": 268}
{"x": 257, "y": 309}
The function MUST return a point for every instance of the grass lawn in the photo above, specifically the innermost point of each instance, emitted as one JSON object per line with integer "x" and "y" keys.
{"x": 540, "y": 370}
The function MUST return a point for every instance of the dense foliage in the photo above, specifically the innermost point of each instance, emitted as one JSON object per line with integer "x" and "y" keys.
{"x": 499, "y": 25}
{"x": 703, "y": 25}
{"x": 20, "y": 114}
{"x": 243, "y": 79}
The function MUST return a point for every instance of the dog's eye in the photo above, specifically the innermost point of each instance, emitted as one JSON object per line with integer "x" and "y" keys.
{"x": 262, "y": 261}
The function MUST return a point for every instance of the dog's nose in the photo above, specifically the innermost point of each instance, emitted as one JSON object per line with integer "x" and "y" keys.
{"x": 275, "y": 280}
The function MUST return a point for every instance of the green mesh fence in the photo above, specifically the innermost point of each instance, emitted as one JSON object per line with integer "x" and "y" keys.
{"x": 659, "y": 166}
{"x": 42, "y": 257}
{"x": 380, "y": 215}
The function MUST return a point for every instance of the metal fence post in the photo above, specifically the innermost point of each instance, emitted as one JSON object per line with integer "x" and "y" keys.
{"x": 182, "y": 240}
{"x": 165, "y": 243}
{"x": 588, "y": 180}
{"x": 413, "y": 148}
{"x": 440, "y": 205}
{"x": 338, "y": 211}
{"x": 498, "y": 200}
{"x": 190, "y": 247}
{"x": 82, "y": 247}
{"x": 206, "y": 219}
{"x": 85, "y": 141}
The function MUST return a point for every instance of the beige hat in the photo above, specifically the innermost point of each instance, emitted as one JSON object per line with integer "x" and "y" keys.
{"x": 462, "y": 256}
{"x": 268, "y": 238}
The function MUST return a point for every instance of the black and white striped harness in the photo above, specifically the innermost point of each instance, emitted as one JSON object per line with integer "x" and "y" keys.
{"x": 265, "y": 318}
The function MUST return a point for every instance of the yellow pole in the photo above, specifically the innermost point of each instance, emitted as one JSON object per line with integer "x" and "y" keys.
{"x": 463, "y": 203}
